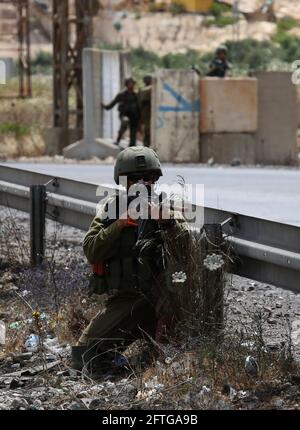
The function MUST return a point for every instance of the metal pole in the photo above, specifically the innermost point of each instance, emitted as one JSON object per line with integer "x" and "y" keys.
{"x": 213, "y": 294}
{"x": 37, "y": 223}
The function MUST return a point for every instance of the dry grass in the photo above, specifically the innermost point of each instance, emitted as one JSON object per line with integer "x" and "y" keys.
{"x": 191, "y": 359}
{"x": 32, "y": 115}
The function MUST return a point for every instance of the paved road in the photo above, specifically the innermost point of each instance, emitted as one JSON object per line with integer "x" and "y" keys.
{"x": 268, "y": 193}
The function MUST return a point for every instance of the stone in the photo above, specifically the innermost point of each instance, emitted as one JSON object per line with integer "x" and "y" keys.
{"x": 272, "y": 321}
{"x": 2, "y": 333}
{"x": 19, "y": 404}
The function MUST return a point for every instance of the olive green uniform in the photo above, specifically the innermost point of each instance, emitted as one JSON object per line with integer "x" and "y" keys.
{"x": 130, "y": 274}
{"x": 145, "y": 102}
{"x": 129, "y": 113}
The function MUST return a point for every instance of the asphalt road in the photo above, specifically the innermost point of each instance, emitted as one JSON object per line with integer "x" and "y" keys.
{"x": 270, "y": 193}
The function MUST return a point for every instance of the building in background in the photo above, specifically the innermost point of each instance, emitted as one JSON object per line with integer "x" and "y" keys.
{"x": 200, "y": 6}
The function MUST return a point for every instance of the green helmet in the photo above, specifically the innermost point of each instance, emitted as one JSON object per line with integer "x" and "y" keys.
{"x": 222, "y": 48}
{"x": 137, "y": 159}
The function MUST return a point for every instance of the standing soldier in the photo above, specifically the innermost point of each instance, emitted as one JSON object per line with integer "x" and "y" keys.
{"x": 145, "y": 103}
{"x": 129, "y": 111}
{"x": 128, "y": 264}
{"x": 220, "y": 66}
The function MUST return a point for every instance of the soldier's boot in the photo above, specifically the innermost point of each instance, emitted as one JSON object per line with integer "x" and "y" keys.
{"x": 77, "y": 357}
{"x": 83, "y": 356}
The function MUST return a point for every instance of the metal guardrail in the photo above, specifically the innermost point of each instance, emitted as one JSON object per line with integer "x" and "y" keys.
{"x": 267, "y": 251}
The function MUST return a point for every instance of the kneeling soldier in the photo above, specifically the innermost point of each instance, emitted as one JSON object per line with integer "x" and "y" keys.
{"x": 128, "y": 262}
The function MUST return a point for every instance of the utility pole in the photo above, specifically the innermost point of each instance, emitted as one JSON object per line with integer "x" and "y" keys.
{"x": 22, "y": 33}
{"x": 236, "y": 17}
{"x": 72, "y": 31}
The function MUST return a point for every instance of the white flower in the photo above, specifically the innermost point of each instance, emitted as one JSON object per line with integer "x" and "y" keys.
{"x": 213, "y": 262}
{"x": 24, "y": 293}
{"x": 179, "y": 277}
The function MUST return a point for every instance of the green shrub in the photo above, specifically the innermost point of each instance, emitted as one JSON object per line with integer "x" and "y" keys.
{"x": 157, "y": 7}
{"x": 218, "y": 9}
{"x": 42, "y": 63}
{"x": 220, "y": 21}
{"x": 118, "y": 26}
{"x": 177, "y": 8}
{"x": 18, "y": 130}
{"x": 289, "y": 47}
{"x": 286, "y": 24}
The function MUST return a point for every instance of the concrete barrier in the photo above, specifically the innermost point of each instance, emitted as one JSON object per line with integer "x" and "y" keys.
{"x": 298, "y": 97}
{"x": 6, "y": 70}
{"x": 103, "y": 75}
{"x": 228, "y": 105}
{"x": 175, "y": 115}
{"x": 225, "y": 148}
{"x": 276, "y": 138}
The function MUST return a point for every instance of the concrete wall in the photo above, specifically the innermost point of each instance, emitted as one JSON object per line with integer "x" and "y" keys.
{"x": 298, "y": 96}
{"x": 276, "y": 139}
{"x": 175, "y": 115}
{"x": 223, "y": 148}
{"x": 6, "y": 69}
{"x": 228, "y": 105}
{"x": 103, "y": 76}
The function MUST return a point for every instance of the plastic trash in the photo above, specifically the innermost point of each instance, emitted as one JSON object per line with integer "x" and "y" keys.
{"x": 251, "y": 366}
{"x": 2, "y": 333}
{"x": 120, "y": 361}
{"x": 17, "y": 325}
{"x": 32, "y": 343}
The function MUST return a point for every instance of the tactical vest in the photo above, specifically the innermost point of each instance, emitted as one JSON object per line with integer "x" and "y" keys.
{"x": 134, "y": 266}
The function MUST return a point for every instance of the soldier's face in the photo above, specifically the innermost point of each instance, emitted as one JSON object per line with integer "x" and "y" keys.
{"x": 130, "y": 85}
{"x": 142, "y": 178}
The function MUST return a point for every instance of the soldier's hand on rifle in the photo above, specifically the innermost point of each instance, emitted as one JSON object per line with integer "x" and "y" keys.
{"x": 160, "y": 212}
{"x": 125, "y": 221}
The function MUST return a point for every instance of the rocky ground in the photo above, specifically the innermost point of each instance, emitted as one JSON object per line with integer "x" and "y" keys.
{"x": 52, "y": 303}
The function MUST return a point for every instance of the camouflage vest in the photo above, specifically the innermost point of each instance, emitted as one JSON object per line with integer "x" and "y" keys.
{"x": 134, "y": 266}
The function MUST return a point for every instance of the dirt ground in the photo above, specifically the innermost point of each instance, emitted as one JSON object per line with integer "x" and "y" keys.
{"x": 195, "y": 373}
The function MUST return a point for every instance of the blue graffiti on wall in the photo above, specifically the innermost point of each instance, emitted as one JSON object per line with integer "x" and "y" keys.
{"x": 183, "y": 104}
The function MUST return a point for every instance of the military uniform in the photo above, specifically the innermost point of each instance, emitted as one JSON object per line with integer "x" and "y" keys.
{"x": 134, "y": 274}
{"x": 129, "y": 113}
{"x": 219, "y": 66}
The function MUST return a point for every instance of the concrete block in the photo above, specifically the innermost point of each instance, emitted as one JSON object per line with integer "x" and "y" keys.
{"x": 102, "y": 148}
{"x": 276, "y": 139}
{"x": 6, "y": 70}
{"x": 298, "y": 98}
{"x": 226, "y": 147}
{"x": 103, "y": 76}
{"x": 228, "y": 105}
{"x": 56, "y": 139}
{"x": 175, "y": 115}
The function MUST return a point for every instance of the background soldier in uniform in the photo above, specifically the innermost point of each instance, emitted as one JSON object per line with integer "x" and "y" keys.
{"x": 145, "y": 102}
{"x": 127, "y": 265}
{"x": 129, "y": 111}
{"x": 220, "y": 66}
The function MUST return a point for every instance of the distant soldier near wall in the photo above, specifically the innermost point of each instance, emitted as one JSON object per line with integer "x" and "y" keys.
{"x": 220, "y": 66}
{"x": 129, "y": 111}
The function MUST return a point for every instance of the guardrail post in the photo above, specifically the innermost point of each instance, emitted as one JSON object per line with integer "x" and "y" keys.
{"x": 37, "y": 223}
{"x": 213, "y": 294}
